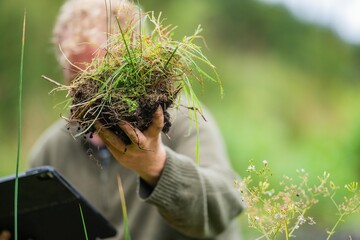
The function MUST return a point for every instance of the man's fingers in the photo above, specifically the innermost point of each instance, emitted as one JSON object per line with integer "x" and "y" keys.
{"x": 108, "y": 136}
{"x": 135, "y": 135}
{"x": 157, "y": 123}
{"x": 5, "y": 235}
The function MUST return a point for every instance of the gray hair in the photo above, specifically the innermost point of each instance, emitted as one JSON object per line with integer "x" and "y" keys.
{"x": 82, "y": 22}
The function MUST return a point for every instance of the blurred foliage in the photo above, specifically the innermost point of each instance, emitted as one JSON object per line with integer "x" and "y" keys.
{"x": 256, "y": 26}
{"x": 39, "y": 58}
{"x": 291, "y": 88}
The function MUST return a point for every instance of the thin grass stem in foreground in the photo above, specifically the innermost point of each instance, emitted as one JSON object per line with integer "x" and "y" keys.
{"x": 16, "y": 199}
{"x": 123, "y": 207}
{"x": 83, "y": 222}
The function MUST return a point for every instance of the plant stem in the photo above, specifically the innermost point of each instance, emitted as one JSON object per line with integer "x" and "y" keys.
{"x": 335, "y": 226}
{"x": 19, "y": 132}
{"x": 262, "y": 230}
{"x": 276, "y": 232}
{"x": 265, "y": 234}
{"x": 127, "y": 235}
{"x": 140, "y": 31}
{"x": 297, "y": 222}
{"x": 126, "y": 44}
{"x": 171, "y": 56}
{"x": 83, "y": 222}
{"x": 286, "y": 231}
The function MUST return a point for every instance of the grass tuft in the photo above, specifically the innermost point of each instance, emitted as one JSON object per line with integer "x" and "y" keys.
{"x": 138, "y": 73}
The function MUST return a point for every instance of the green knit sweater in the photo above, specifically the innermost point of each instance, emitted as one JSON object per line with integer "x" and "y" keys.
{"x": 190, "y": 201}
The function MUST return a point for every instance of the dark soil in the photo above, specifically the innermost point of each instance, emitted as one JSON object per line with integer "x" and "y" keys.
{"x": 112, "y": 113}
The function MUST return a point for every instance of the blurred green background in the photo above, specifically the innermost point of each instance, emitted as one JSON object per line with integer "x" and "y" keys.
{"x": 291, "y": 88}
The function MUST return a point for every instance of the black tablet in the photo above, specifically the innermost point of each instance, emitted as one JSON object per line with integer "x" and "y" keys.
{"x": 49, "y": 208}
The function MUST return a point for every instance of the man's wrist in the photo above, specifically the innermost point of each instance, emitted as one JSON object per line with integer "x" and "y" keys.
{"x": 153, "y": 173}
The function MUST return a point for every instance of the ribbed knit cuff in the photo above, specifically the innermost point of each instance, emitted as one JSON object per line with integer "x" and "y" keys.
{"x": 179, "y": 174}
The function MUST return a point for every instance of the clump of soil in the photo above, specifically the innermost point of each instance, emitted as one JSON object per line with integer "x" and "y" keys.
{"x": 138, "y": 74}
{"x": 113, "y": 90}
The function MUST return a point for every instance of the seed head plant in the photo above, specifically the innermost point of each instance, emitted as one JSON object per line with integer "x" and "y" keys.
{"x": 138, "y": 73}
{"x": 277, "y": 213}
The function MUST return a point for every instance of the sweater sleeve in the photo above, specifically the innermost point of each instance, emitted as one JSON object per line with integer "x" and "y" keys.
{"x": 196, "y": 198}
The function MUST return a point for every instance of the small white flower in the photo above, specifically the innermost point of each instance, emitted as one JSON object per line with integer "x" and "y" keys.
{"x": 265, "y": 162}
{"x": 311, "y": 221}
{"x": 251, "y": 168}
{"x": 256, "y": 218}
{"x": 301, "y": 220}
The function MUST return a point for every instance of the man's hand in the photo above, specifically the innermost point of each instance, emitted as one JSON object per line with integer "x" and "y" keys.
{"x": 5, "y": 235}
{"x": 146, "y": 155}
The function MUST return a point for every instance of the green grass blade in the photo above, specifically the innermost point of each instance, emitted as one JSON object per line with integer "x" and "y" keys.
{"x": 19, "y": 131}
{"x": 197, "y": 143}
{"x": 111, "y": 78}
{"x": 83, "y": 222}
{"x": 123, "y": 207}
{"x": 140, "y": 31}
{"x": 107, "y": 22}
{"x": 171, "y": 56}
{"x": 197, "y": 54}
{"x": 125, "y": 42}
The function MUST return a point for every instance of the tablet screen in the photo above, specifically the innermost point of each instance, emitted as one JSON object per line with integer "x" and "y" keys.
{"x": 49, "y": 208}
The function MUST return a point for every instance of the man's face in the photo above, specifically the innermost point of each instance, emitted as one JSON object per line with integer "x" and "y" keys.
{"x": 80, "y": 59}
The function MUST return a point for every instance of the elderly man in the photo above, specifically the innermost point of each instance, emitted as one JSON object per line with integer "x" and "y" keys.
{"x": 168, "y": 194}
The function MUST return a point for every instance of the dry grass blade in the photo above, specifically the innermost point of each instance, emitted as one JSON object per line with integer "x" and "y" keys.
{"x": 127, "y": 235}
